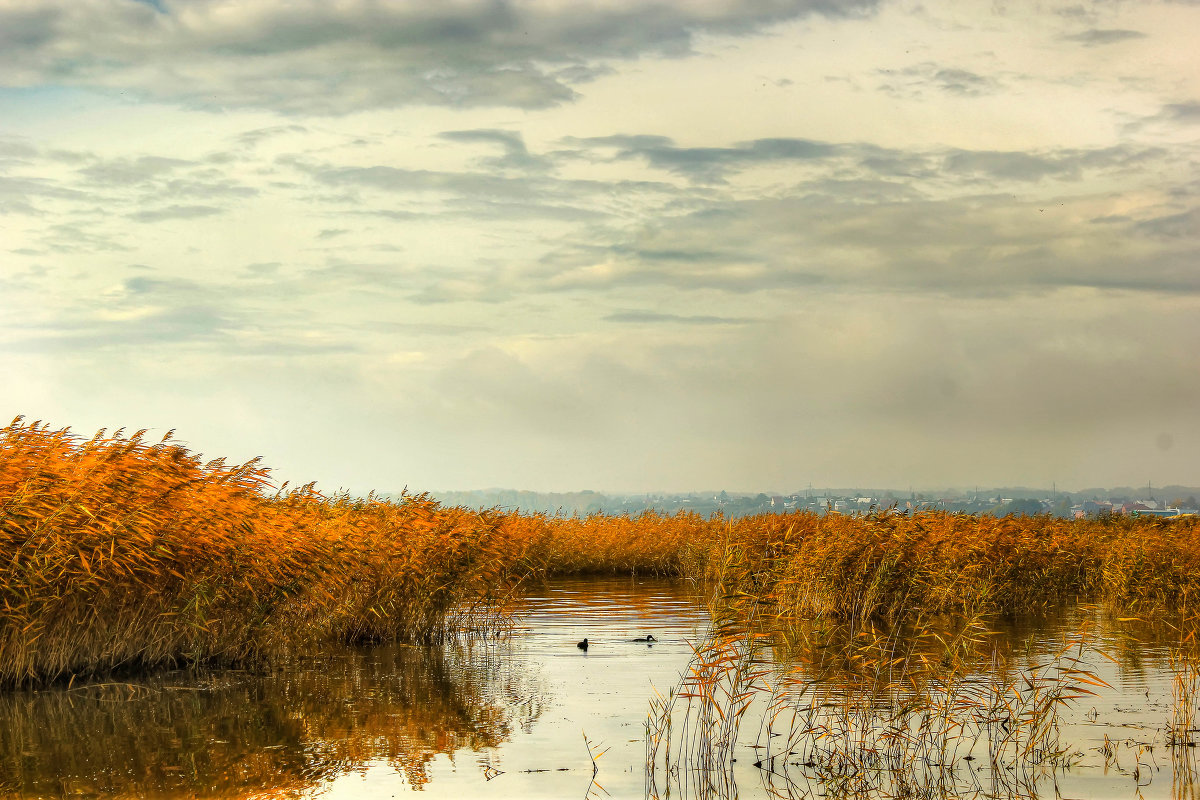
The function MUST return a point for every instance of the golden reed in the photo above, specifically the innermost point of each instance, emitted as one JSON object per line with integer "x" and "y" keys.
{"x": 117, "y": 551}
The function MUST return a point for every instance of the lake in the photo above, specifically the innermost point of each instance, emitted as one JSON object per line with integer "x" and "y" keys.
{"x": 522, "y": 715}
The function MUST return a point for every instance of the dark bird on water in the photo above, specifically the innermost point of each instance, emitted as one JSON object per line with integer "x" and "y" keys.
{"x": 648, "y": 639}
{"x": 582, "y": 645}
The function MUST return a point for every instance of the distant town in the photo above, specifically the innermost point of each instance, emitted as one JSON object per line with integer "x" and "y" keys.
{"x": 1168, "y": 501}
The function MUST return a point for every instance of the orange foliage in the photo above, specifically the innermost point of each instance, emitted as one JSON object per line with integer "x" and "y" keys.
{"x": 117, "y": 551}
{"x": 890, "y": 566}
{"x": 121, "y": 552}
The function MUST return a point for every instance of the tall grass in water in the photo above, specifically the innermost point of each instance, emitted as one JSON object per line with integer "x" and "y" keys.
{"x": 886, "y": 566}
{"x": 118, "y": 551}
{"x": 649, "y": 543}
{"x": 919, "y": 713}
{"x": 865, "y": 642}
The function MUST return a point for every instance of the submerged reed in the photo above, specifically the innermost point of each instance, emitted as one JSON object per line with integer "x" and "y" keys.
{"x": 930, "y": 711}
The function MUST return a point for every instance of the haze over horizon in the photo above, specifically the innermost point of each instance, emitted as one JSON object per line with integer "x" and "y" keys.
{"x": 617, "y": 245}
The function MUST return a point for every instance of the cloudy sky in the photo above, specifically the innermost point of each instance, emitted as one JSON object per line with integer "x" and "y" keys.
{"x": 611, "y": 244}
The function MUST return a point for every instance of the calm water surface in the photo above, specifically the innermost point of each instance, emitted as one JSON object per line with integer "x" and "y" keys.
{"x": 502, "y": 718}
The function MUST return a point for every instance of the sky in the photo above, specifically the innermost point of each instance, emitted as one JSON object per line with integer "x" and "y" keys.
{"x": 611, "y": 244}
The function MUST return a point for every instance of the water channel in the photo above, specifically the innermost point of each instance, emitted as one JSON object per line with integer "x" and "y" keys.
{"x": 523, "y": 715}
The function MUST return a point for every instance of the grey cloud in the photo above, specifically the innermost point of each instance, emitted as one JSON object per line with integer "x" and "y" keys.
{"x": 1095, "y": 37}
{"x": 961, "y": 81}
{"x": 16, "y": 149}
{"x": 675, "y": 319}
{"x": 715, "y": 163}
{"x": 263, "y": 267}
{"x": 481, "y": 195}
{"x": 252, "y": 138}
{"x": 188, "y": 325}
{"x": 1184, "y": 225}
{"x": 864, "y": 190}
{"x": 16, "y": 206}
{"x": 332, "y": 233}
{"x": 914, "y": 80}
{"x": 865, "y": 225}
{"x": 185, "y": 187}
{"x": 1182, "y": 112}
{"x": 483, "y": 209}
{"x": 29, "y": 28}
{"x": 156, "y": 310}
{"x": 468, "y": 207}
{"x": 707, "y": 163}
{"x": 423, "y": 328}
{"x": 146, "y": 188}
{"x": 130, "y": 171}
{"x": 1068, "y": 164}
{"x": 143, "y": 285}
{"x": 314, "y": 56}
{"x": 175, "y": 212}
{"x": 895, "y": 164}
{"x": 181, "y": 323}
{"x": 516, "y": 155}
{"x": 419, "y": 180}
{"x": 1075, "y": 12}
{"x": 582, "y": 73}
{"x": 20, "y": 193}
{"x": 396, "y": 215}
{"x": 68, "y": 237}
{"x": 1170, "y": 114}
{"x": 978, "y": 246}
{"x": 1009, "y": 165}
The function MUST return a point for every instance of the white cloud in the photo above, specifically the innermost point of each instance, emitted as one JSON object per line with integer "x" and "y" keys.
{"x": 450, "y": 252}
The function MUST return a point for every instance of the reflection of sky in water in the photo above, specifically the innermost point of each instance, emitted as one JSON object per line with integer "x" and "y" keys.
{"x": 497, "y": 719}
{"x": 603, "y": 692}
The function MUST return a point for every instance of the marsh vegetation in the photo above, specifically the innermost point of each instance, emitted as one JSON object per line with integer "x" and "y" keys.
{"x": 861, "y": 655}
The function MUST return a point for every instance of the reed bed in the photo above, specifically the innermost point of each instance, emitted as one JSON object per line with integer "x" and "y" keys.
{"x": 887, "y": 566}
{"x": 930, "y": 711}
{"x": 864, "y": 644}
{"x": 118, "y": 552}
{"x": 649, "y": 543}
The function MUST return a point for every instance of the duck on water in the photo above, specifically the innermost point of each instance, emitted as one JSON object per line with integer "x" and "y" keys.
{"x": 647, "y": 639}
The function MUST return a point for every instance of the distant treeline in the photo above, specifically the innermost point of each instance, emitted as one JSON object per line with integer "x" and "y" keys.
{"x": 995, "y": 501}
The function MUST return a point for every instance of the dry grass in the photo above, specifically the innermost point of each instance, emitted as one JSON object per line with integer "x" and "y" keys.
{"x": 650, "y": 543}
{"x": 118, "y": 551}
{"x": 865, "y": 641}
{"x": 891, "y": 567}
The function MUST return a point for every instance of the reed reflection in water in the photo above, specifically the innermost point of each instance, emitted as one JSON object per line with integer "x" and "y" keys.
{"x": 1074, "y": 703}
{"x": 504, "y": 718}
{"x": 480, "y": 718}
{"x": 237, "y": 734}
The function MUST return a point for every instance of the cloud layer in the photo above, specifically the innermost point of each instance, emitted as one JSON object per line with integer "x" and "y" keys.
{"x": 331, "y": 58}
{"x": 612, "y": 245}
